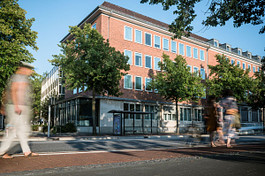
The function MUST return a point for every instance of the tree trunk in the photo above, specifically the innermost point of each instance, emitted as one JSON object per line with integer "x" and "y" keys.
{"x": 177, "y": 118}
{"x": 94, "y": 112}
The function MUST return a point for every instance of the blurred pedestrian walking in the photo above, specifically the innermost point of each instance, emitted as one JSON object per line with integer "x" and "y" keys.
{"x": 18, "y": 110}
{"x": 230, "y": 110}
{"x": 211, "y": 116}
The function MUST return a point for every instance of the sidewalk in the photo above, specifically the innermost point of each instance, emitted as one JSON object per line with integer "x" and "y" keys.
{"x": 39, "y": 136}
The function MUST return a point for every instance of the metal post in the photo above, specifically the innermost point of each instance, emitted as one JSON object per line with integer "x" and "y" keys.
{"x": 49, "y": 120}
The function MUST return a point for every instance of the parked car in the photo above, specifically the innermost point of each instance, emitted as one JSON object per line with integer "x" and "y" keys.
{"x": 250, "y": 129}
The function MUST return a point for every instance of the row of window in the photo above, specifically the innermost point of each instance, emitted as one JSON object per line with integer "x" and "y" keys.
{"x": 138, "y": 80}
{"x": 244, "y": 66}
{"x": 128, "y": 83}
{"x": 138, "y": 38}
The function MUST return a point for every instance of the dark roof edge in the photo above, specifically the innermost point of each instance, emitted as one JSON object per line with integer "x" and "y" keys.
{"x": 133, "y": 15}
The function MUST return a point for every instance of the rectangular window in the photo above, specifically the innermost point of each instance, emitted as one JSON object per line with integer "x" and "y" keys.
{"x": 148, "y": 39}
{"x": 128, "y": 81}
{"x": 173, "y": 46}
{"x": 157, "y": 42}
{"x": 202, "y": 55}
{"x": 138, "y": 59}
{"x": 238, "y": 63}
{"x": 128, "y": 33}
{"x": 138, "y": 83}
{"x": 254, "y": 69}
{"x": 147, "y": 84}
{"x": 215, "y": 44}
{"x": 138, "y": 108}
{"x": 249, "y": 67}
{"x": 244, "y": 66}
{"x": 239, "y": 52}
{"x": 202, "y": 73}
{"x": 188, "y": 51}
{"x": 165, "y": 116}
{"x": 148, "y": 61}
{"x": 181, "y": 49}
{"x": 165, "y": 44}
{"x": 75, "y": 91}
{"x": 94, "y": 26}
{"x": 157, "y": 60}
{"x": 129, "y": 54}
{"x": 196, "y": 70}
{"x": 258, "y": 69}
{"x": 195, "y": 53}
{"x": 232, "y": 61}
{"x": 138, "y": 36}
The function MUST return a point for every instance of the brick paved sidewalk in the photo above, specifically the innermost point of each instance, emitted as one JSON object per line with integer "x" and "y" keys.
{"x": 85, "y": 159}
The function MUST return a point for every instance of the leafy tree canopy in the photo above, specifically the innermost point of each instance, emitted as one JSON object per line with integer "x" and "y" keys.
{"x": 257, "y": 96}
{"x": 227, "y": 76}
{"x": 89, "y": 62}
{"x": 219, "y": 12}
{"x": 15, "y": 36}
{"x": 175, "y": 81}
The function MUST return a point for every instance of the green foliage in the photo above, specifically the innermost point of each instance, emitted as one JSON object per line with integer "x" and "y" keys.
{"x": 227, "y": 76}
{"x": 15, "y": 37}
{"x": 241, "y": 11}
{"x": 36, "y": 80}
{"x": 89, "y": 62}
{"x": 257, "y": 96}
{"x": 175, "y": 81}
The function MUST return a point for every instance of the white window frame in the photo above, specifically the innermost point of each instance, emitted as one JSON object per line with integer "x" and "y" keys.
{"x": 254, "y": 69}
{"x": 131, "y": 84}
{"x": 158, "y": 68}
{"x": 150, "y": 61}
{"x": 156, "y": 40}
{"x": 202, "y": 75}
{"x": 141, "y": 62}
{"x": 249, "y": 67}
{"x": 180, "y": 53}
{"x": 94, "y": 26}
{"x": 173, "y": 49}
{"x": 238, "y": 63}
{"x": 146, "y": 84}
{"x": 196, "y": 53}
{"x": 145, "y": 39}
{"x": 196, "y": 69}
{"x": 187, "y": 46}
{"x": 244, "y": 65}
{"x": 135, "y": 31}
{"x": 233, "y": 61}
{"x": 135, "y": 83}
{"x": 202, "y": 51}
{"x": 130, "y": 61}
{"x": 164, "y": 40}
{"x": 131, "y": 38}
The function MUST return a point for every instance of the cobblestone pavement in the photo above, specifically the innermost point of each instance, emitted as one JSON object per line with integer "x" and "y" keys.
{"x": 22, "y": 165}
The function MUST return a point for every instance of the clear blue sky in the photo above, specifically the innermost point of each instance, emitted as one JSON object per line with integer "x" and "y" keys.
{"x": 53, "y": 18}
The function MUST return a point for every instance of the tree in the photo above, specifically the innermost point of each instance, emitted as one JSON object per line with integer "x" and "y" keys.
{"x": 90, "y": 63}
{"x": 15, "y": 36}
{"x": 175, "y": 82}
{"x": 257, "y": 96}
{"x": 36, "y": 80}
{"x": 220, "y": 11}
{"x": 229, "y": 76}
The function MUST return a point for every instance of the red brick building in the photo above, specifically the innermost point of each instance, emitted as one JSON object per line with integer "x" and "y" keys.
{"x": 144, "y": 40}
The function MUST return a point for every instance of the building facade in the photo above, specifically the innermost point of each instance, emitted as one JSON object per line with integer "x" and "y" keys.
{"x": 144, "y": 40}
